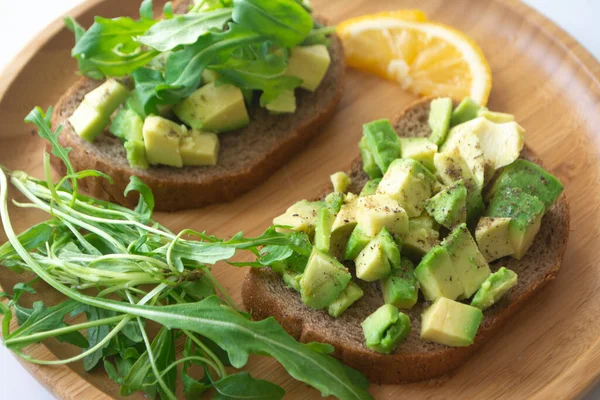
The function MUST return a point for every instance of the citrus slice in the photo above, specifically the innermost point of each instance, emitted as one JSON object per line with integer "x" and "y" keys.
{"x": 425, "y": 57}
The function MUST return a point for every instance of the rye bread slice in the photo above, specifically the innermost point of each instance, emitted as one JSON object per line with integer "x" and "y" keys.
{"x": 247, "y": 156}
{"x": 265, "y": 294}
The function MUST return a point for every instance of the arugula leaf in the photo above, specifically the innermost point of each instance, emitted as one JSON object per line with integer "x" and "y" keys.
{"x": 184, "y": 30}
{"x": 284, "y": 21}
{"x": 193, "y": 389}
{"x": 31, "y": 239}
{"x": 146, "y": 11}
{"x": 84, "y": 66}
{"x": 145, "y": 204}
{"x": 95, "y": 335}
{"x": 243, "y": 386}
{"x": 168, "y": 10}
{"x": 146, "y": 80}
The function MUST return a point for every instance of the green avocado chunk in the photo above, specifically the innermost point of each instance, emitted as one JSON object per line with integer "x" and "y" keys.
{"x": 524, "y": 210}
{"x": 356, "y": 243}
{"x": 372, "y": 263}
{"x": 136, "y": 154}
{"x": 469, "y": 265}
{"x": 401, "y": 288}
{"x": 323, "y": 229}
{"x": 496, "y": 117}
{"x": 370, "y": 188}
{"x": 531, "y": 178}
{"x": 390, "y": 248}
{"x": 323, "y": 280}
{"x": 369, "y": 165}
{"x": 162, "y": 138}
{"x": 351, "y": 294}
{"x": 334, "y": 201}
{"x": 450, "y": 323}
{"x": 292, "y": 280}
{"x": 284, "y": 103}
{"x": 493, "y": 288}
{"x": 423, "y": 234}
{"x": 340, "y": 181}
{"x": 127, "y": 125}
{"x": 419, "y": 149}
{"x": 493, "y": 237}
{"x": 300, "y": 217}
{"x": 385, "y": 329}
{"x": 467, "y": 110}
{"x": 309, "y": 63}
{"x": 440, "y": 112}
{"x": 436, "y": 275}
{"x": 449, "y": 206}
{"x": 383, "y": 143}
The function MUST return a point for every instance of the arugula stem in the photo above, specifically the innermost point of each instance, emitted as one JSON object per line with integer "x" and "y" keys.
{"x": 182, "y": 360}
{"x": 221, "y": 289}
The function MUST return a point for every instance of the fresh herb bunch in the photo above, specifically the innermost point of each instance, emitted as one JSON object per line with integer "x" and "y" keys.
{"x": 247, "y": 41}
{"x": 127, "y": 273}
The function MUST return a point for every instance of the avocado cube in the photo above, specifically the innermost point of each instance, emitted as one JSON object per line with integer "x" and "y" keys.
{"x": 136, "y": 154}
{"x": 423, "y": 234}
{"x": 349, "y": 296}
{"x": 494, "y": 287}
{"x": 284, "y": 103}
{"x": 524, "y": 210}
{"x": 323, "y": 229}
{"x": 419, "y": 149}
{"x": 409, "y": 183}
{"x": 466, "y": 110}
{"x": 335, "y": 201}
{"x": 464, "y": 139}
{"x": 161, "y": 138}
{"x": 209, "y": 76}
{"x": 88, "y": 122}
{"x": 356, "y": 243}
{"x": 199, "y": 148}
{"x": 292, "y": 280}
{"x": 300, "y": 217}
{"x": 343, "y": 225}
{"x": 501, "y": 144}
{"x": 323, "y": 280}
{"x": 369, "y": 188}
{"x": 437, "y": 277}
{"x": 440, "y": 112}
{"x": 401, "y": 288}
{"x": 531, "y": 178}
{"x": 495, "y": 117}
{"x": 382, "y": 142}
{"x": 214, "y": 108}
{"x": 107, "y": 97}
{"x": 449, "y": 206}
{"x": 391, "y": 249}
{"x": 309, "y": 63}
{"x": 372, "y": 262}
{"x": 340, "y": 181}
{"x": 127, "y": 125}
{"x": 450, "y": 323}
{"x": 493, "y": 238}
{"x": 467, "y": 261}
{"x": 378, "y": 211}
{"x": 368, "y": 160}
{"x": 385, "y": 329}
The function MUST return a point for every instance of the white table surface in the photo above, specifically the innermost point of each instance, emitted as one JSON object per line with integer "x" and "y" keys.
{"x": 578, "y": 17}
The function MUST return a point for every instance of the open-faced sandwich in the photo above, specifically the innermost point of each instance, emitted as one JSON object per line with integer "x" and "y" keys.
{"x": 202, "y": 104}
{"x": 442, "y": 230}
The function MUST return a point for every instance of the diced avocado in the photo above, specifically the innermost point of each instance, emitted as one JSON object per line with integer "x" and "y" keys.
{"x": 369, "y": 165}
{"x": 452, "y": 167}
{"x": 440, "y": 112}
{"x": 524, "y": 210}
{"x": 464, "y": 139}
{"x": 292, "y": 280}
{"x": 214, "y": 108}
{"x": 423, "y": 234}
{"x": 501, "y": 143}
{"x": 352, "y": 293}
{"x": 340, "y": 181}
{"x": 467, "y": 261}
{"x": 323, "y": 280}
{"x": 450, "y": 323}
{"x": 385, "y": 329}
{"x": 449, "y": 207}
{"x": 419, "y": 149}
{"x": 383, "y": 143}
{"x": 199, "y": 148}
{"x": 409, "y": 183}
{"x": 401, "y": 288}
{"x": 323, "y": 229}
{"x": 496, "y": 117}
{"x": 343, "y": 225}
{"x": 356, "y": 243}
{"x": 136, "y": 154}
{"x": 334, "y": 201}
{"x": 127, "y": 125}
{"x": 378, "y": 211}
{"x": 300, "y": 217}
{"x": 494, "y": 287}
{"x": 465, "y": 111}
{"x": 531, "y": 178}
{"x": 161, "y": 138}
{"x": 284, "y": 103}
{"x": 493, "y": 238}
{"x": 209, "y": 76}
{"x": 309, "y": 63}
{"x": 88, "y": 122}
{"x": 107, "y": 97}
{"x": 370, "y": 187}
{"x": 436, "y": 275}
{"x": 372, "y": 262}
{"x": 391, "y": 249}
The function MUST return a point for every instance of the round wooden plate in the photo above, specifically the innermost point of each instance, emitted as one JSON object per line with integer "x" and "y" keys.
{"x": 550, "y": 349}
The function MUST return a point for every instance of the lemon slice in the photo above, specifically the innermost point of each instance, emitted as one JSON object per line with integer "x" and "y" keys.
{"x": 425, "y": 57}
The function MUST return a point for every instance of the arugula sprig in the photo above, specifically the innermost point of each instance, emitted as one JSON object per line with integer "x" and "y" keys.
{"x": 139, "y": 271}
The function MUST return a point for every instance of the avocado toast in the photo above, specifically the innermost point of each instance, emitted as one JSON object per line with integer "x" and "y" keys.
{"x": 266, "y": 294}
{"x": 243, "y": 158}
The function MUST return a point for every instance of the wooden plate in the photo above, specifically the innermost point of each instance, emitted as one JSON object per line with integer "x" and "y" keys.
{"x": 550, "y": 349}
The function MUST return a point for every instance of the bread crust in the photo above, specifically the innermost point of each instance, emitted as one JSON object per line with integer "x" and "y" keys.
{"x": 264, "y": 294}
{"x": 247, "y": 156}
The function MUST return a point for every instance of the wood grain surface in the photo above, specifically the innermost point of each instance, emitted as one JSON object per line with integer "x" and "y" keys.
{"x": 549, "y": 350}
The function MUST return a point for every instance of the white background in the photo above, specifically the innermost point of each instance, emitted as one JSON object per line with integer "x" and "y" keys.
{"x": 21, "y": 20}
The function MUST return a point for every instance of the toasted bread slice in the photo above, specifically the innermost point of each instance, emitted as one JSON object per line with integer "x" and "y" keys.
{"x": 265, "y": 294}
{"x": 247, "y": 157}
